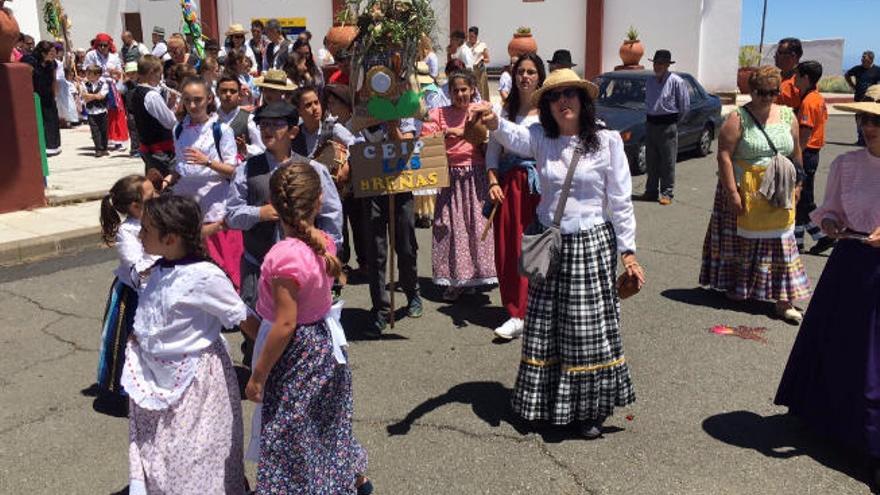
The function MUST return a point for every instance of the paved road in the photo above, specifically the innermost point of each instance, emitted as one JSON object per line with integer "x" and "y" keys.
{"x": 432, "y": 398}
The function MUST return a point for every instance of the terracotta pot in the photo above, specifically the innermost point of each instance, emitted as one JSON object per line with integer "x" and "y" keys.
{"x": 631, "y": 52}
{"x": 522, "y": 44}
{"x": 8, "y": 33}
{"x": 339, "y": 37}
{"x": 742, "y": 79}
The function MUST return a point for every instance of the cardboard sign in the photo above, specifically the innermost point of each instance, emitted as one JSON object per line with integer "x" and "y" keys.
{"x": 379, "y": 169}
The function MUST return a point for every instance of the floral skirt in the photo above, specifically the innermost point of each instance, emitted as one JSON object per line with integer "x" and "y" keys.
{"x": 458, "y": 256}
{"x": 573, "y": 367}
{"x": 118, "y": 321}
{"x": 307, "y": 445}
{"x": 194, "y": 446}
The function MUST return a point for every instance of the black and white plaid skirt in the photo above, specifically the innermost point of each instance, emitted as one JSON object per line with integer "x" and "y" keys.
{"x": 573, "y": 367}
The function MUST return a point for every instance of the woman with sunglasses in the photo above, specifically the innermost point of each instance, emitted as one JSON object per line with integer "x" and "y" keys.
{"x": 515, "y": 192}
{"x": 573, "y": 369}
{"x": 235, "y": 43}
{"x": 833, "y": 374}
{"x": 750, "y": 251}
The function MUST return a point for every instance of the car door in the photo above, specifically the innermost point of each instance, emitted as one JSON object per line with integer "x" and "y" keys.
{"x": 690, "y": 126}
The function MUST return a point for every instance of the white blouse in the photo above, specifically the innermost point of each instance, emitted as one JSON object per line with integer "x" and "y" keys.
{"x": 601, "y": 189}
{"x": 180, "y": 313}
{"x": 130, "y": 250}
{"x": 201, "y": 183}
{"x": 494, "y": 150}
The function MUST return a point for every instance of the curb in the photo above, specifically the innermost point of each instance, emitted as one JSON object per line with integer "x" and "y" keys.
{"x": 74, "y": 198}
{"x": 17, "y": 252}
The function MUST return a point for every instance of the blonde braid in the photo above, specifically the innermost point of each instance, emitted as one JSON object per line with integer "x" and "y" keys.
{"x": 295, "y": 191}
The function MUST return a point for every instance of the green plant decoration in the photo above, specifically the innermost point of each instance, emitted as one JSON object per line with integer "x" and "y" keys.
{"x": 384, "y": 109}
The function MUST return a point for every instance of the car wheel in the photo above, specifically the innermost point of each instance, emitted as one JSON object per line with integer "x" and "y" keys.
{"x": 638, "y": 163}
{"x": 704, "y": 146}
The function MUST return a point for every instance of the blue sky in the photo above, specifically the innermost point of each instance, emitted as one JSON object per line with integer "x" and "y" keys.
{"x": 853, "y": 20}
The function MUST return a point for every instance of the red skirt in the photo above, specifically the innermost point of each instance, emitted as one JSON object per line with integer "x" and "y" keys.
{"x": 117, "y": 124}
{"x": 226, "y": 249}
{"x": 513, "y": 216}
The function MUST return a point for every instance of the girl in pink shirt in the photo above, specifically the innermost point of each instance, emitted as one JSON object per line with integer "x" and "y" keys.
{"x": 460, "y": 256}
{"x": 300, "y": 375}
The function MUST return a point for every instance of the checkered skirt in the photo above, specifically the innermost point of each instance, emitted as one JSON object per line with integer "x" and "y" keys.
{"x": 573, "y": 367}
{"x": 720, "y": 256}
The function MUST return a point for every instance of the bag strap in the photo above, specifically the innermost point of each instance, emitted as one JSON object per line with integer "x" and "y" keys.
{"x": 764, "y": 132}
{"x": 216, "y": 131}
{"x": 566, "y": 186}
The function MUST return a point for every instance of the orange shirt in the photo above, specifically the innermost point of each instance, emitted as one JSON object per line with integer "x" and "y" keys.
{"x": 813, "y": 114}
{"x": 789, "y": 95}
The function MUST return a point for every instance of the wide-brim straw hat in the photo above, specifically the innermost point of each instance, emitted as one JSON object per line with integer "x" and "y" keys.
{"x": 871, "y": 105}
{"x": 423, "y": 73}
{"x": 563, "y": 78}
{"x": 235, "y": 29}
{"x": 275, "y": 79}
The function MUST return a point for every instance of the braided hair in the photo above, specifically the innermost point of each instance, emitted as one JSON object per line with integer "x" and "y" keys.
{"x": 179, "y": 215}
{"x": 295, "y": 191}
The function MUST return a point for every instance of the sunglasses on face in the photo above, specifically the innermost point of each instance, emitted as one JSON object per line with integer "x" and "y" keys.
{"x": 238, "y": 36}
{"x": 784, "y": 53}
{"x": 868, "y": 119}
{"x": 102, "y": 45}
{"x": 568, "y": 93}
{"x": 764, "y": 93}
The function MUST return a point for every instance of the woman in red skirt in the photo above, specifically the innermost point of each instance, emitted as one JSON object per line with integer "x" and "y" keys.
{"x": 515, "y": 192}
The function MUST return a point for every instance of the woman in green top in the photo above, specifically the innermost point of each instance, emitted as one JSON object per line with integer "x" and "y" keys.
{"x": 750, "y": 251}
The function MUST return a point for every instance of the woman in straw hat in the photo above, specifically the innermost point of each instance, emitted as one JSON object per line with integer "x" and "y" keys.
{"x": 573, "y": 368}
{"x": 235, "y": 43}
{"x": 833, "y": 373}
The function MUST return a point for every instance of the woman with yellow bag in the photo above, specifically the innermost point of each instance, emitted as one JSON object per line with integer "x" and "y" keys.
{"x": 750, "y": 250}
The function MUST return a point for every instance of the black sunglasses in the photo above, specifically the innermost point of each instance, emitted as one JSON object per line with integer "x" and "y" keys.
{"x": 868, "y": 118}
{"x": 102, "y": 45}
{"x": 555, "y": 95}
{"x": 767, "y": 92}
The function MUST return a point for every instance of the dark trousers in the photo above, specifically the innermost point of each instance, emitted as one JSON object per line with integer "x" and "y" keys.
{"x": 661, "y": 152}
{"x": 98, "y": 126}
{"x": 807, "y": 202}
{"x": 355, "y": 215}
{"x": 405, "y": 246}
{"x": 162, "y": 162}
{"x": 250, "y": 281}
{"x": 133, "y": 132}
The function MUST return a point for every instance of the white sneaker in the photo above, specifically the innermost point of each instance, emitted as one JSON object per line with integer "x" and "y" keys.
{"x": 511, "y": 329}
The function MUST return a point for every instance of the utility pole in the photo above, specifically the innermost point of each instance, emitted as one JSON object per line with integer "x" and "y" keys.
{"x": 763, "y": 23}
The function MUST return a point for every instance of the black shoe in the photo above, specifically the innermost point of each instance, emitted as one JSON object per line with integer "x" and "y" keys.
{"x": 592, "y": 429}
{"x": 375, "y": 328}
{"x": 414, "y": 309}
{"x": 648, "y": 196}
{"x": 822, "y": 245}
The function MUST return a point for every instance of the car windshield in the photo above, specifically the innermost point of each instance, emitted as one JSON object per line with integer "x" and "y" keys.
{"x": 621, "y": 92}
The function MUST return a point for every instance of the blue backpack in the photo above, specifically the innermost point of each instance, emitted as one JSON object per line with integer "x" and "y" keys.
{"x": 215, "y": 129}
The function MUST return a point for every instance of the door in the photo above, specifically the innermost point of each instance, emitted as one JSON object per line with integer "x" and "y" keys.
{"x": 131, "y": 21}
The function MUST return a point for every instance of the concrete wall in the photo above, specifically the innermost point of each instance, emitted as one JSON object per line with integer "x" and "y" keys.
{"x": 27, "y": 15}
{"x": 829, "y": 53}
{"x": 555, "y": 24}
{"x": 719, "y": 44}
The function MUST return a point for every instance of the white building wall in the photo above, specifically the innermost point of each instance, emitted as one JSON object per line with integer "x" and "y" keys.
{"x": 719, "y": 44}
{"x": 27, "y": 16}
{"x": 318, "y": 14}
{"x": 555, "y": 24}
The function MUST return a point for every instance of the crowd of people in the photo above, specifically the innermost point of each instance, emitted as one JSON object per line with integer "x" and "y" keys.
{"x": 243, "y": 219}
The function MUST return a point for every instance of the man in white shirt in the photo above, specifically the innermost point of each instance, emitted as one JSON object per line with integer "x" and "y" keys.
{"x": 457, "y": 49}
{"x": 131, "y": 49}
{"x": 153, "y": 120}
{"x": 480, "y": 59}
{"x": 160, "y": 49}
{"x": 247, "y": 136}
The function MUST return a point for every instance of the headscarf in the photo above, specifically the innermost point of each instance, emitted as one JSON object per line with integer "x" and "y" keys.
{"x": 104, "y": 38}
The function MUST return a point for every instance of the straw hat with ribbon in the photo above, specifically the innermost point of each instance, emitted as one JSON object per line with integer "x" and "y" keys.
{"x": 275, "y": 79}
{"x": 235, "y": 29}
{"x": 871, "y": 104}
{"x": 423, "y": 73}
{"x": 564, "y": 78}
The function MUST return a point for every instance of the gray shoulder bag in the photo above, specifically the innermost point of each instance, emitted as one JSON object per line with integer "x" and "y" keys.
{"x": 540, "y": 252}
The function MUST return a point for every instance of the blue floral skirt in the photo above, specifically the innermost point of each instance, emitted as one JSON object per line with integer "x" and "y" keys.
{"x": 122, "y": 303}
{"x": 307, "y": 445}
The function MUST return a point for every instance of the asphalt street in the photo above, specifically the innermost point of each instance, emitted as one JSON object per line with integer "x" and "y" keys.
{"x": 431, "y": 398}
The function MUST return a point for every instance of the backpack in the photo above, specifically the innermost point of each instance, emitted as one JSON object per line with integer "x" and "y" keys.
{"x": 215, "y": 129}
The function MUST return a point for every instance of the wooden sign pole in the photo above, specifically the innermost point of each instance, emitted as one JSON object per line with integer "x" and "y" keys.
{"x": 391, "y": 251}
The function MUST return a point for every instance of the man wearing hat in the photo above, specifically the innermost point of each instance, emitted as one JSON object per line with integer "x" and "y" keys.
{"x": 247, "y": 136}
{"x": 160, "y": 49}
{"x": 666, "y": 102}
{"x": 248, "y": 207}
{"x": 561, "y": 60}
{"x": 275, "y": 86}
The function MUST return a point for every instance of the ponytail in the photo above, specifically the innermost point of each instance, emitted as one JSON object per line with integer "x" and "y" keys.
{"x": 109, "y": 221}
{"x": 124, "y": 193}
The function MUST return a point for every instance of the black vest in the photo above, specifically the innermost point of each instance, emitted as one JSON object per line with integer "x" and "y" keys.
{"x": 239, "y": 125}
{"x": 149, "y": 129}
{"x": 94, "y": 88}
{"x": 261, "y": 237}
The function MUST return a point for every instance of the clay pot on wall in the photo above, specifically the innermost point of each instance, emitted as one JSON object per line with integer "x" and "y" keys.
{"x": 341, "y": 36}
{"x": 522, "y": 43}
{"x": 631, "y": 52}
{"x": 8, "y": 33}
{"x": 742, "y": 79}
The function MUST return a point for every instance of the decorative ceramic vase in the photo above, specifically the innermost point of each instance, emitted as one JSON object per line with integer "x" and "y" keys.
{"x": 522, "y": 43}
{"x": 631, "y": 52}
{"x": 8, "y": 33}
{"x": 340, "y": 37}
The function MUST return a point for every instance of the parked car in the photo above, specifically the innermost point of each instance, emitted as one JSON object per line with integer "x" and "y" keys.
{"x": 621, "y": 105}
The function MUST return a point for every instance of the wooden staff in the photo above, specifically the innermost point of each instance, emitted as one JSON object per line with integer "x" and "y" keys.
{"x": 391, "y": 250}
{"x": 489, "y": 222}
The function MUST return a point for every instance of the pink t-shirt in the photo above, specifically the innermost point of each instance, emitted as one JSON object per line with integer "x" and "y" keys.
{"x": 459, "y": 152}
{"x": 851, "y": 193}
{"x": 292, "y": 258}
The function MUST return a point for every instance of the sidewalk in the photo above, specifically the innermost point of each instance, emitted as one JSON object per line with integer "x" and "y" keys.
{"x": 76, "y": 183}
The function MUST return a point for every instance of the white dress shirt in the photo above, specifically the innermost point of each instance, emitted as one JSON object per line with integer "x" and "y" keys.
{"x": 108, "y": 63}
{"x": 181, "y": 312}
{"x": 130, "y": 250}
{"x": 494, "y": 150}
{"x": 160, "y": 50}
{"x": 158, "y": 108}
{"x": 203, "y": 184}
{"x": 256, "y": 145}
{"x": 601, "y": 188}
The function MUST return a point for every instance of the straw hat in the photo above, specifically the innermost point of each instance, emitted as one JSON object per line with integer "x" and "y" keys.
{"x": 235, "y": 29}
{"x": 275, "y": 79}
{"x": 562, "y": 78}
{"x": 423, "y": 73}
{"x": 870, "y": 105}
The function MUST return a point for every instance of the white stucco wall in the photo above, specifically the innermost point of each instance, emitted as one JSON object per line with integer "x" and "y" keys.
{"x": 318, "y": 14}
{"x": 555, "y": 24}
{"x": 719, "y": 44}
{"x": 26, "y": 14}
